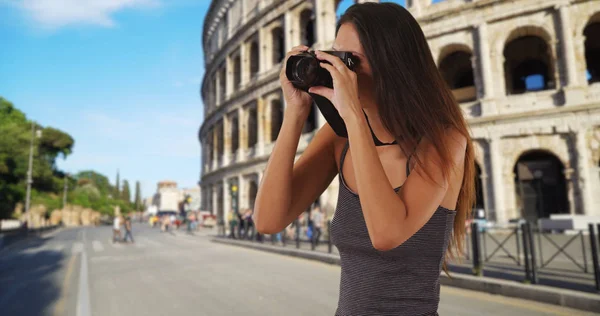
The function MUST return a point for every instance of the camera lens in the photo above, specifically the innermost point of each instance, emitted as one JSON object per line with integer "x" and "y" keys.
{"x": 306, "y": 70}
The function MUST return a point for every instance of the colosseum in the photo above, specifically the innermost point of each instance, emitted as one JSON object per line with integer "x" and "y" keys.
{"x": 525, "y": 72}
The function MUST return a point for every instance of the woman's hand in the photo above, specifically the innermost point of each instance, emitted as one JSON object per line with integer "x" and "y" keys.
{"x": 344, "y": 94}
{"x": 297, "y": 101}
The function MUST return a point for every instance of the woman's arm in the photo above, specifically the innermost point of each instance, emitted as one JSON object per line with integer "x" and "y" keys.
{"x": 288, "y": 189}
{"x": 393, "y": 218}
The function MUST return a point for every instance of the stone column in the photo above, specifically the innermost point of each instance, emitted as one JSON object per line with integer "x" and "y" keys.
{"x": 485, "y": 69}
{"x": 245, "y": 63}
{"x": 229, "y": 77}
{"x": 226, "y": 203}
{"x": 567, "y": 46}
{"x": 215, "y": 152}
{"x": 290, "y": 30}
{"x": 570, "y": 181}
{"x": 584, "y": 173}
{"x": 485, "y": 193}
{"x": 325, "y": 22}
{"x": 243, "y": 137}
{"x": 268, "y": 109}
{"x": 498, "y": 185}
{"x": 227, "y": 140}
{"x": 242, "y": 193}
{"x": 217, "y": 97}
{"x": 414, "y": 6}
{"x": 260, "y": 111}
{"x": 263, "y": 49}
{"x": 214, "y": 199}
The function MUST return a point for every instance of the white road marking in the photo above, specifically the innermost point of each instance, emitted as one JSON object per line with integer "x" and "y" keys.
{"x": 116, "y": 245}
{"x": 83, "y": 297}
{"x": 150, "y": 241}
{"x": 58, "y": 248}
{"x": 77, "y": 247}
{"x": 97, "y": 246}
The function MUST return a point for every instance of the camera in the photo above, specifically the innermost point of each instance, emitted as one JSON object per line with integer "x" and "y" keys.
{"x": 303, "y": 70}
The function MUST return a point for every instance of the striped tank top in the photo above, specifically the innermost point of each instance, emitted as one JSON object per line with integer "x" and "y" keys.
{"x": 401, "y": 281}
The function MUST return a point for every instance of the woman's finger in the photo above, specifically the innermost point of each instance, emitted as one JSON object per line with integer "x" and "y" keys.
{"x": 334, "y": 60}
{"x": 332, "y": 70}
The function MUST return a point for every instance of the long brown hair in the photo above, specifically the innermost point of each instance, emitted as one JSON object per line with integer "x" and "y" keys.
{"x": 414, "y": 100}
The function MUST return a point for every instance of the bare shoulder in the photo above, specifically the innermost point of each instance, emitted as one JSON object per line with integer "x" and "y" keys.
{"x": 455, "y": 141}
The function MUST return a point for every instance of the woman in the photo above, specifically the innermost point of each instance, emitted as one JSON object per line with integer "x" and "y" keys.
{"x": 415, "y": 192}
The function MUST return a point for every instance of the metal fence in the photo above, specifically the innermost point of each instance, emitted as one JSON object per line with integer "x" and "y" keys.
{"x": 533, "y": 250}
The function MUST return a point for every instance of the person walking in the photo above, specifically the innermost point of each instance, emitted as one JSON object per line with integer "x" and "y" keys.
{"x": 317, "y": 220}
{"x": 128, "y": 230}
{"x": 405, "y": 163}
{"x": 116, "y": 229}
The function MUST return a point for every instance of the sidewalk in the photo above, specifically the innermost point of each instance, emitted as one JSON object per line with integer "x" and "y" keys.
{"x": 490, "y": 283}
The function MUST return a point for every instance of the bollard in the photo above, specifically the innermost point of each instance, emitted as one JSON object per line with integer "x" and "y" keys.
{"x": 518, "y": 246}
{"x": 594, "y": 247}
{"x": 534, "y": 277}
{"x": 525, "y": 253}
{"x": 329, "y": 236}
{"x": 477, "y": 268}
{"x": 297, "y": 235}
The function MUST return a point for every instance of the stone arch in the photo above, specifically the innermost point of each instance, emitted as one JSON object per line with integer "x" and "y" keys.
{"x": 252, "y": 191}
{"x": 479, "y": 194}
{"x": 276, "y": 117}
{"x": 308, "y": 27}
{"x": 591, "y": 32}
{"x": 278, "y": 45}
{"x": 540, "y": 185}
{"x": 254, "y": 58}
{"x": 455, "y": 65}
{"x": 529, "y": 60}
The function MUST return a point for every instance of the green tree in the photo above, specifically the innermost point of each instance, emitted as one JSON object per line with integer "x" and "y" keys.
{"x": 125, "y": 195}
{"x": 117, "y": 193}
{"x": 138, "y": 197}
{"x": 15, "y": 138}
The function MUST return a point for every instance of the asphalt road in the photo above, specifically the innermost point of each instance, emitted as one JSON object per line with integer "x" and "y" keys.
{"x": 80, "y": 272}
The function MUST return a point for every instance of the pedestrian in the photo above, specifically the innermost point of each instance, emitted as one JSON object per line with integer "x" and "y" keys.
{"x": 394, "y": 231}
{"x": 317, "y": 219}
{"x": 248, "y": 225}
{"x": 116, "y": 229}
{"x": 128, "y": 230}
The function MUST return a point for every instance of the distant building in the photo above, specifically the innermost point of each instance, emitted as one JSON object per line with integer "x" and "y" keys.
{"x": 168, "y": 197}
{"x": 194, "y": 194}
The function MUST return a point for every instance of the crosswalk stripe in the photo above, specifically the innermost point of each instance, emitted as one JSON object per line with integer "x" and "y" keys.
{"x": 150, "y": 241}
{"x": 77, "y": 247}
{"x": 58, "y": 248}
{"x": 97, "y": 246}
{"x": 116, "y": 245}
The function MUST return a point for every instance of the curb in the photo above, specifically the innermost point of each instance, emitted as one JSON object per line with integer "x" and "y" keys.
{"x": 539, "y": 293}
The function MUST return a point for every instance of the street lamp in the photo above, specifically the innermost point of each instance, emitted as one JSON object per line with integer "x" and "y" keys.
{"x": 34, "y": 134}
{"x": 538, "y": 175}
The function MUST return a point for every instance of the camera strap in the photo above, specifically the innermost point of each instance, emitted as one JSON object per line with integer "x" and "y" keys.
{"x": 375, "y": 139}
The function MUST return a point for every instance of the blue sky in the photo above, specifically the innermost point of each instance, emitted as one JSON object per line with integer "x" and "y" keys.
{"x": 120, "y": 76}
